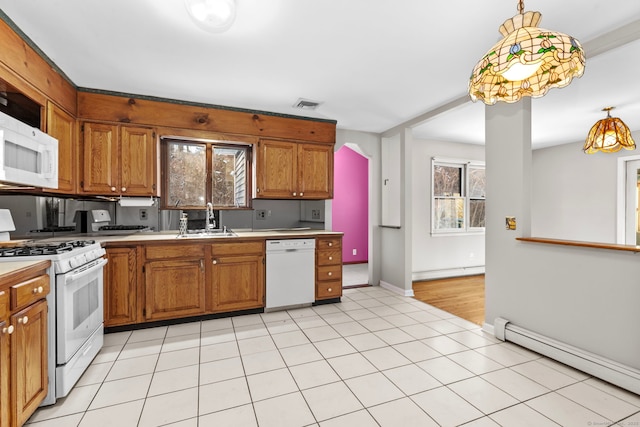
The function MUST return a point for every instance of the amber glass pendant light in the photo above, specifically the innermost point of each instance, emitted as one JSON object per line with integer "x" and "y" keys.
{"x": 528, "y": 61}
{"x": 609, "y": 135}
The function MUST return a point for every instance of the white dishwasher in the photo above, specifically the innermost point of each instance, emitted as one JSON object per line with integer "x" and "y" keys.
{"x": 290, "y": 273}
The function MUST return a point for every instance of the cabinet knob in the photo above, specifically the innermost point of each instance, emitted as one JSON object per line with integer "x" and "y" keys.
{"x": 330, "y": 258}
{"x": 295, "y": 194}
{"x": 301, "y": 194}
{"x": 113, "y": 188}
{"x": 330, "y": 273}
{"x": 38, "y": 290}
{"x": 23, "y": 320}
{"x": 215, "y": 261}
{"x": 330, "y": 244}
{"x": 123, "y": 189}
{"x": 330, "y": 289}
{"x": 8, "y": 330}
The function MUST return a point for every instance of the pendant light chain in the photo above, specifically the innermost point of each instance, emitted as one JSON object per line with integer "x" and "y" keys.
{"x": 521, "y": 7}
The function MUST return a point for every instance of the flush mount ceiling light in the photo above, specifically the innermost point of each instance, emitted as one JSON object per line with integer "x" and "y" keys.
{"x": 215, "y": 16}
{"x": 528, "y": 61}
{"x": 609, "y": 135}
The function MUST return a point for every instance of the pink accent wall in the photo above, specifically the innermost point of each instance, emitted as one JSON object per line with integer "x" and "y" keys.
{"x": 350, "y": 208}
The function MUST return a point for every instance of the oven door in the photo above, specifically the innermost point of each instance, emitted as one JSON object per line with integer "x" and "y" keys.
{"x": 79, "y": 307}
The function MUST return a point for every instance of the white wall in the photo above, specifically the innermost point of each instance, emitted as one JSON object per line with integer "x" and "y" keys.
{"x": 583, "y": 297}
{"x": 444, "y": 255}
{"x": 574, "y": 194}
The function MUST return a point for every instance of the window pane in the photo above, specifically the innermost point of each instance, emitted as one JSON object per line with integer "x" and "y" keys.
{"x": 449, "y": 213}
{"x": 229, "y": 176}
{"x": 476, "y": 213}
{"x": 187, "y": 164}
{"x": 447, "y": 181}
{"x": 477, "y": 182}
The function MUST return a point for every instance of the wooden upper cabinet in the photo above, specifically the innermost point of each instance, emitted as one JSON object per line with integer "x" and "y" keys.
{"x": 294, "y": 170}
{"x": 62, "y": 126}
{"x": 118, "y": 159}
{"x": 315, "y": 171}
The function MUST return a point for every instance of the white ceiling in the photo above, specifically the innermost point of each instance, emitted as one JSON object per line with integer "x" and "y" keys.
{"x": 374, "y": 64}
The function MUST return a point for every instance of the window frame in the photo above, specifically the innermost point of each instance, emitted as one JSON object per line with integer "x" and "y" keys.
{"x": 210, "y": 145}
{"x": 464, "y": 166}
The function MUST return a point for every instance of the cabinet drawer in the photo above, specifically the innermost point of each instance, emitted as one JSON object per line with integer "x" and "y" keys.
{"x": 329, "y": 289}
{"x": 237, "y": 248}
{"x": 30, "y": 291}
{"x": 329, "y": 243}
{"x": 175, "y": 251}
{"x": 4, "y": 305}
{"x": 330, "y": 272}
{"x": 330, "y": 257}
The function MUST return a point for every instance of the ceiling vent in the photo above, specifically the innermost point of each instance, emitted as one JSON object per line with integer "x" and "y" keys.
{"x": 306, "y": 104}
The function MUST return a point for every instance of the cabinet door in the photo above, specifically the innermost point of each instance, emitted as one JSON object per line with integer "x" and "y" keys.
{"x": 174, "y": 288}
{"x": 5, "y": 365}
{"x": 120, "y": 287}
{"x": 238, "y": 282}
{"x": 62, "y": 126}
{"x": 29, "y": 379}
{"x": 100, "y": 159}
{"x": 138, "y": 160}
{"x": 276, "y": 170}
{"x": 315, "y": 171}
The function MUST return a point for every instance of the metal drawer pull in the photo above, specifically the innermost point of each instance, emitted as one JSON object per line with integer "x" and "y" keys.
{"x": 23, "y": 320}
{"x": 8, "y": 330}
{"x": 38, "y": 290}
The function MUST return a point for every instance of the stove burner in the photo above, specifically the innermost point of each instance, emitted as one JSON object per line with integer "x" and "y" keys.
{"x": 52, "y": 248}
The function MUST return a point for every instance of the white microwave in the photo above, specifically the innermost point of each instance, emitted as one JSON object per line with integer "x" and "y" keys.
{"x": 28, "y": 156}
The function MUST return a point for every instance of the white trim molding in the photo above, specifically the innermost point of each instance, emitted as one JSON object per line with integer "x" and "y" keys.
{"x": 397, "y": 290}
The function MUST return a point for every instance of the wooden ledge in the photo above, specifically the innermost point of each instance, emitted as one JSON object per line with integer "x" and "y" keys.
{"x": 595, "y": 245}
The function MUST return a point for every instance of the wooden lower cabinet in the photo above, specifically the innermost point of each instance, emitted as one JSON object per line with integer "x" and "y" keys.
{"x": 121, "y": 287}
{"x": 29, "y": 359}
{"x": 328, "y": 267}
{"x": 237, "y": 276}
{"x": 174, "y": 288}
{"x": 5, "y": 374}
{"x": 24, "y": 376}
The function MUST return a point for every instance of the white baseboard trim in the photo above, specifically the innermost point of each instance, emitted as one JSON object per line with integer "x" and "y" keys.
{"x": 488, "y": 328}
{"x": 396, "y": 290}
{"x": 447, "y": 272}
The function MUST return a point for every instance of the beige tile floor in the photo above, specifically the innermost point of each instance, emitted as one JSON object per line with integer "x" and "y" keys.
{"x": 375, "y": 359}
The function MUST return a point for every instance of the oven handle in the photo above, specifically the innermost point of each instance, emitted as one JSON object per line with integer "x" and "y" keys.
{"x": 70, "y": 277}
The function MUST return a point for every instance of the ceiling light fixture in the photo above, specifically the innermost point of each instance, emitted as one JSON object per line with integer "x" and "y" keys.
{"x": 528, "y": 61}
{"x": 215, "y": 16}
{"x": 609, "y": 135}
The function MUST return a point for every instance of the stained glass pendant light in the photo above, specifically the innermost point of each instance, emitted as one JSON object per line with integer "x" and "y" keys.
{"x": 609, "y": 135}
{"x": 528, "y": 61}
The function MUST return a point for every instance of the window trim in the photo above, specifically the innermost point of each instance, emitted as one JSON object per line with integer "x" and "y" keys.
{"x": 465, "y": 165}
{"x": 210, "y": 145}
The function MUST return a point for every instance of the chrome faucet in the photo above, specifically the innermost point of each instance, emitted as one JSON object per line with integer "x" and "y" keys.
{"x": 210, "y": 222}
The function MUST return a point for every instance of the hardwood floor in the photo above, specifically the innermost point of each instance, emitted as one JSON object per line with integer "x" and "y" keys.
{"x": 462, "y": 296}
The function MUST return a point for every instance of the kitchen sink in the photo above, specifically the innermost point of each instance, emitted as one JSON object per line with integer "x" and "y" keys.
{"x": 206, "y": 234}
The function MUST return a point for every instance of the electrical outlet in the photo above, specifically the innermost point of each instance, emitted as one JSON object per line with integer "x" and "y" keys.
{"x": 355, "y": 252}
{"x": 261, "y": 214}
{"x": 143, "y": 214}
{"x": 315, "y": 214}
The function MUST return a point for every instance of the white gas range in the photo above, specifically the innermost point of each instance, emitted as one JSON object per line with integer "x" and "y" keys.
{"x": 76, "y": 317}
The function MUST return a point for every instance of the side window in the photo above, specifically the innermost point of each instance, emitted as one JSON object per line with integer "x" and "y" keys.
{"x": 458, "y": 196}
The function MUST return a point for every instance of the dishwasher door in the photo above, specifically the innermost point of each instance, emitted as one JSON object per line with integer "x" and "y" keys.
{"x": 290, "y": 273}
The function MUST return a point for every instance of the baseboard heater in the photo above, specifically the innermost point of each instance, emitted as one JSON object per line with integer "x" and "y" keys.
{"x": 600, "y": 367}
